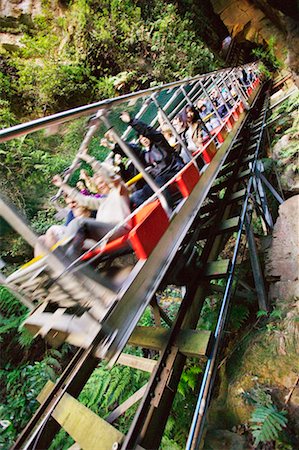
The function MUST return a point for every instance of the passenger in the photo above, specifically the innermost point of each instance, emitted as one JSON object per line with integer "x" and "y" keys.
{"x": 218, "y": 103}
{"x": 158, "y": 156}
{"x": 179, "y": 124}
{"x": 57, "y": 232}
{"x": 227, "y": 97}
{"x": 82, "y": 187}
{"x": 207, "y": 114}
{"x": 193, "y": 134}
{"x": 251, "y": 75}
{"x": 167, "y": 132}
{"x": 90, "y": 187}
{"x": 180, "y": 127}
{"x": 119, "y": 159}
{"x": 245, "y": 78}
{"x": 233, "y": 92}
{"x": 112, "y": 208}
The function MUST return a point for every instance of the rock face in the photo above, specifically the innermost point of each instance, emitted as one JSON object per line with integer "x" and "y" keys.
{"x": 17, "y": 15}
{"x": 267, "y": 359}
{"x": 16, "y": 8}
{"x": 257, "y": 20}
{"x": 224, "y": 439}
{"x": 249, "y": 20}
{"x": 283, "y": 255}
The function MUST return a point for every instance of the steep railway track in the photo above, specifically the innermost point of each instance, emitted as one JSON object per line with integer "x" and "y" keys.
{"x": 207, "y": 217}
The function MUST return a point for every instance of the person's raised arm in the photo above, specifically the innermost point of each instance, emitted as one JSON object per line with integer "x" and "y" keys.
{"x": 142, "y": 128}
{"x": 89, "y": 202}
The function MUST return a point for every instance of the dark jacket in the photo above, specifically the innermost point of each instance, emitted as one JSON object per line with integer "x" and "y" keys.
{"x": 160, "y": 156}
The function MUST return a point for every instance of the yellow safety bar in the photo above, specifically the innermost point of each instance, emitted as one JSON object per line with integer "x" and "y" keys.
{"x": 133, "y": 180}
{"x": 37, "y": 258}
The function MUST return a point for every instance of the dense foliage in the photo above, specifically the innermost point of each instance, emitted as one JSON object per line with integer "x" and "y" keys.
{"x": 269, "y": 62}
{"x": 97, "y": 49}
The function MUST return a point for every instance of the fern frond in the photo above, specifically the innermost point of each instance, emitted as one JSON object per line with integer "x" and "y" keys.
{"x": 267, "y": 422}
{"x": 25, "y": 338}
{"x": 10, "y": 304}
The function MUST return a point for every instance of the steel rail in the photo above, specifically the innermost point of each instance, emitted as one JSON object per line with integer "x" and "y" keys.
{"x": 61, "y": 117}
{"x": 198, "y": 420}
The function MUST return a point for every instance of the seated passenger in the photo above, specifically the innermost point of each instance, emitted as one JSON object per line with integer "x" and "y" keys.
{"x": 207, "y": 114}
{"x": 251, "y": 75}
{"x": 117, "y": 158}
{"x": 227, "y": 97}
{"x": 193, "y": 133}
{"x": 180, "y": 127}
{"x": 179, "y": 124}
{"x": 172, "y": 139}
{"x": 163, "y": 162}
{"x": 57, "y": 232}
{"x": 245, "y": 77}
{"x": 218, "y": 103}
{"x": 167, "y": 131}
{"x": 112, "y": 208}
{"x": 89, "y": 187}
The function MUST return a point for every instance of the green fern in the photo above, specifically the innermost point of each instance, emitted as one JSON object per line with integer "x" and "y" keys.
{"x": 10, "y": 304}
{"x": 239, "y": 314}
{"x": 189, "y": 379}
{"x": 267, "y": 422}
{"x": 107, "y": 388}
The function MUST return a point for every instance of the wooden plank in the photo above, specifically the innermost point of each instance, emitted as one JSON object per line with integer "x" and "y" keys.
{"x": 217, "y": 269}
{"x": 45, "y": 391}
{"x": 88, "y": 430}
{"x": 237, "y": 294}
{"x": 237, "y": 195}
{"x": 244, "y": 174}
{"x": 121, "y": 409}
{"x": 191, "y": 343}
{"x": 225, "y": 225}
{"x": 137, "y": 362}
{"x": 226, "y": 169}
{"x": 247, "y": 159}
{"x": 278, "y": 81}
{"x": 75, "y": 446}
{"x": 229, "y": 224}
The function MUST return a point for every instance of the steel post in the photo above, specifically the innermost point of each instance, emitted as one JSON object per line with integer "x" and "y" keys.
{"x": 256, "y": 267}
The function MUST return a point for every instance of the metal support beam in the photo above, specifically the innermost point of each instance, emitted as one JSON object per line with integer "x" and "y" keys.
{"x": 271, "y": 188}
{"x": 121, "y": 409}
{"x": 262, "y": 201}
{"x": 256, "y": 267}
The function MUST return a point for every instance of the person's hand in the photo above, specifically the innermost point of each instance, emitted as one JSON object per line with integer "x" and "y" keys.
{"x": 110, "y": 136}
{"x": 85, "y": 157}
{"x": 83, "y": 175}
{"x": 117, "y": 159}
{"x": 57, "y": 180}
{"x": 105, "y": 143}
{"x": 125, "y": 117}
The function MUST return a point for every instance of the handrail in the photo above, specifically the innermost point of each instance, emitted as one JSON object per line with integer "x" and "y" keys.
{"x": 61, "y": 117}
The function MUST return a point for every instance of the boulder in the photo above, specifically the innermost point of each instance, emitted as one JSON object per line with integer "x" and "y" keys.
{"x": 282, "y": 257}
{"x": 224, "y": 440}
